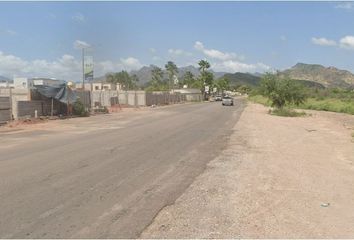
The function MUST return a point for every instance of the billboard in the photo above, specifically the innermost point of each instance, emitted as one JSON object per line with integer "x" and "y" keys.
{"x": 88, "y": 68}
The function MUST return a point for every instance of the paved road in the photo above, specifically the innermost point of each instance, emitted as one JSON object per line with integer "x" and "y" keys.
{"x": 108, "y": 176}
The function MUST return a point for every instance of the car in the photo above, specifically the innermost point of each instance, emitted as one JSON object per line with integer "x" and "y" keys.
{"x": 218, "y": 98}
{"x": 227, "y": 101}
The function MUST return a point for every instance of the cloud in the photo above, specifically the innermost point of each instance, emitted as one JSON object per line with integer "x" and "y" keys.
{"x": 213, "y": 53}
{"x": 130, "y": 63}
{"x": 347, "y": 42}
{"x": 78, "y": 44}
{"x": 66, "y": 67}
{"x": 283, "y": 38}
{"x": 235, "y": 66}
{"x": 345, "y": 5}
{"x": 152, "y": 50}
{"x": 7, "y": 32}
{"x": 79, "y": 17}
{"x": 323, "y": 41}
{"x": 178, "y": 52}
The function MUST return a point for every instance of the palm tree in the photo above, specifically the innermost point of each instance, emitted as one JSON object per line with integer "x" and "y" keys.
{"x": 203, "y": 65}
{"x": 172, "y": 70}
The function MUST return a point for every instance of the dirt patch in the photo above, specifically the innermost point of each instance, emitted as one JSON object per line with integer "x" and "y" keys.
{"x": 279, "y": 178}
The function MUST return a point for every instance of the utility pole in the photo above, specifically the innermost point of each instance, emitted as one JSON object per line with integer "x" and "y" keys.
{"x": 83, "y": 68}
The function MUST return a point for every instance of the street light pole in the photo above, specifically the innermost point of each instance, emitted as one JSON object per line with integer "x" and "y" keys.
{"x": 83, "y": 68}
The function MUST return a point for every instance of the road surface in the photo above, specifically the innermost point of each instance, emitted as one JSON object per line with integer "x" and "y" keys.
{"x": 106, "y": 176}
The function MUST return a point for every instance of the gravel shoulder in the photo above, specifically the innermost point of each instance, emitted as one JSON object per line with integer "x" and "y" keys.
{"x": 278, "y": 178}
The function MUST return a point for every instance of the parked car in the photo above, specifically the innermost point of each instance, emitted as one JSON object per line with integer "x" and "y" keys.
{"x": 227, "y": 101}
{"x": 218, "y": 98}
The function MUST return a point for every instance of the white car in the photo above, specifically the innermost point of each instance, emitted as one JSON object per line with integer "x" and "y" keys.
{"x": 227, "y": 101}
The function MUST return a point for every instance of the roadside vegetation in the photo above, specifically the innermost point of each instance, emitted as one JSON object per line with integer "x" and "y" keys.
{"x": 275, "y": 92}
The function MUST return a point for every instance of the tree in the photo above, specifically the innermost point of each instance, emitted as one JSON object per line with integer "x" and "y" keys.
{"x": 172, "y": 70}
{"x": 121, "y": 78}
{"x": 282, "y": 92}
{"x": 222, "y": 84}
{"x": 188, "y": 79}
{"x": 206, "y": 78}
{"x": 134, "y": 79}
{"x": 203, "y": 65}
{"x": 156, "y": 83}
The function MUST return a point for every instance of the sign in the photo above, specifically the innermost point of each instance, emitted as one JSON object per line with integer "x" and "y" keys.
{"x": 88, "y": 68}
{"x": 206, "y": 88}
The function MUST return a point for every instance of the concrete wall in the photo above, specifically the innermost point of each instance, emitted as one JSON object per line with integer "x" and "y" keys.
{"x": 108, "y": 98}
{"x": 16, "y": 95}
{"x": 5, "y": 109}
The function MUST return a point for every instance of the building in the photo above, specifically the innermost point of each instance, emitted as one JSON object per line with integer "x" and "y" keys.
{"x": 6, "y": 85}
{"x": 28, "y": 83}
{"x": 23, "y": 83}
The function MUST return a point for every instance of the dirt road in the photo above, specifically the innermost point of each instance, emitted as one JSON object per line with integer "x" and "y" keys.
{"x": 105, "y": 176}
{"x": 278, "y": 178}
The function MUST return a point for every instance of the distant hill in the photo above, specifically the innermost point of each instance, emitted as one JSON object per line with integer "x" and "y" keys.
{"x": 237, "y": 79}
{"x": 144, "y": 73}
{"x": 248, "y": 79}
{"x": 5, "y": 79}
{"x": 327, "y": 76}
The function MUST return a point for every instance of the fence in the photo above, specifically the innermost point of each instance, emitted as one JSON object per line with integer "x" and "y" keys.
{"x": 164, "y": 98}
{"x": 5, "y": 109}
{"x": 43, "y": 108}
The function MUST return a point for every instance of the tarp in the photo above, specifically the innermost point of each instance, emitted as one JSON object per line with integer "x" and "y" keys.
{"x": 61, "y": 93}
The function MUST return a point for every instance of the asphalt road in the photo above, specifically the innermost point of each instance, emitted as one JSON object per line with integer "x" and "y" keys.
{"x": 110, "y": 175}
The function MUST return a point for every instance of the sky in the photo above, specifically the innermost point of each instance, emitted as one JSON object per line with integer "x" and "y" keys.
{"x": 44, "y": 39}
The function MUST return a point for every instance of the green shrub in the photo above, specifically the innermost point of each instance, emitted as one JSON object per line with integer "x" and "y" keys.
{"x": 282, "y": 92}
{"x": 79, "y": 109}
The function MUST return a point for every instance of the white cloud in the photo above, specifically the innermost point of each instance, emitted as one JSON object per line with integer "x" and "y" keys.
{"x": 345, "y": 5}
{"x": 347, "y": 42}
{"x": 178, "y": 52}
{"x": 323, "y": 41}
{"x": 130, "y": 63}
{"x": 66, "y": 67}
{"x": 79, "y": 17}
{"x": 152, "y": 50}
{"x": 213, "y": 53}
{"x": 8, "y": 32}
{"x": 235, "y": 66}
{"x": 283, "y": 38}
{"x": 78, "y": 44}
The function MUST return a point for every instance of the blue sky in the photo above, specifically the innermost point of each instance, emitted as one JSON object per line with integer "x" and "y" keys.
{"x": 43, "y": 38}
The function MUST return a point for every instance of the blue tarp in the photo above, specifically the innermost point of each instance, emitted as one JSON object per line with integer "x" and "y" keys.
{"x": 61, "y": 93}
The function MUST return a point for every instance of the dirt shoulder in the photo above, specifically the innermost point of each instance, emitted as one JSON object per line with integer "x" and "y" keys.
{"x": 279, "y": 178}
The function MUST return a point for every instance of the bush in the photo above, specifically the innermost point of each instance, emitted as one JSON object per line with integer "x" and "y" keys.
{"x": 282, "y": 92}
{"x": 79, "y": 109}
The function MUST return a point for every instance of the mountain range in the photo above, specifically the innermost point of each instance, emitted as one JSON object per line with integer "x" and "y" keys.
{"x": 144, "y": 73}
{"x": 327, "y": 76}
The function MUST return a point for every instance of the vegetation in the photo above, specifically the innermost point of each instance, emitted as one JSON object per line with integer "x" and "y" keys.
{"x": 282, "y": 92}
{"x": 124, "y": 79}
{"x": 157, "y": 83}
{"x": 330, "y": 99}
{"x": 79, "y": 109}
{"x": 206, "y": 78}
{"x": 172, "y": 70}
{"x": 189, "y": 80}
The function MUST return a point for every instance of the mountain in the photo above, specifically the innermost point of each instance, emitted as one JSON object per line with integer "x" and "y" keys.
{"x": 5, "y": 79}
{"x": 327, "y": 76}
{"x": 144, "y": 73}
{"x": 237, "y": 79}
